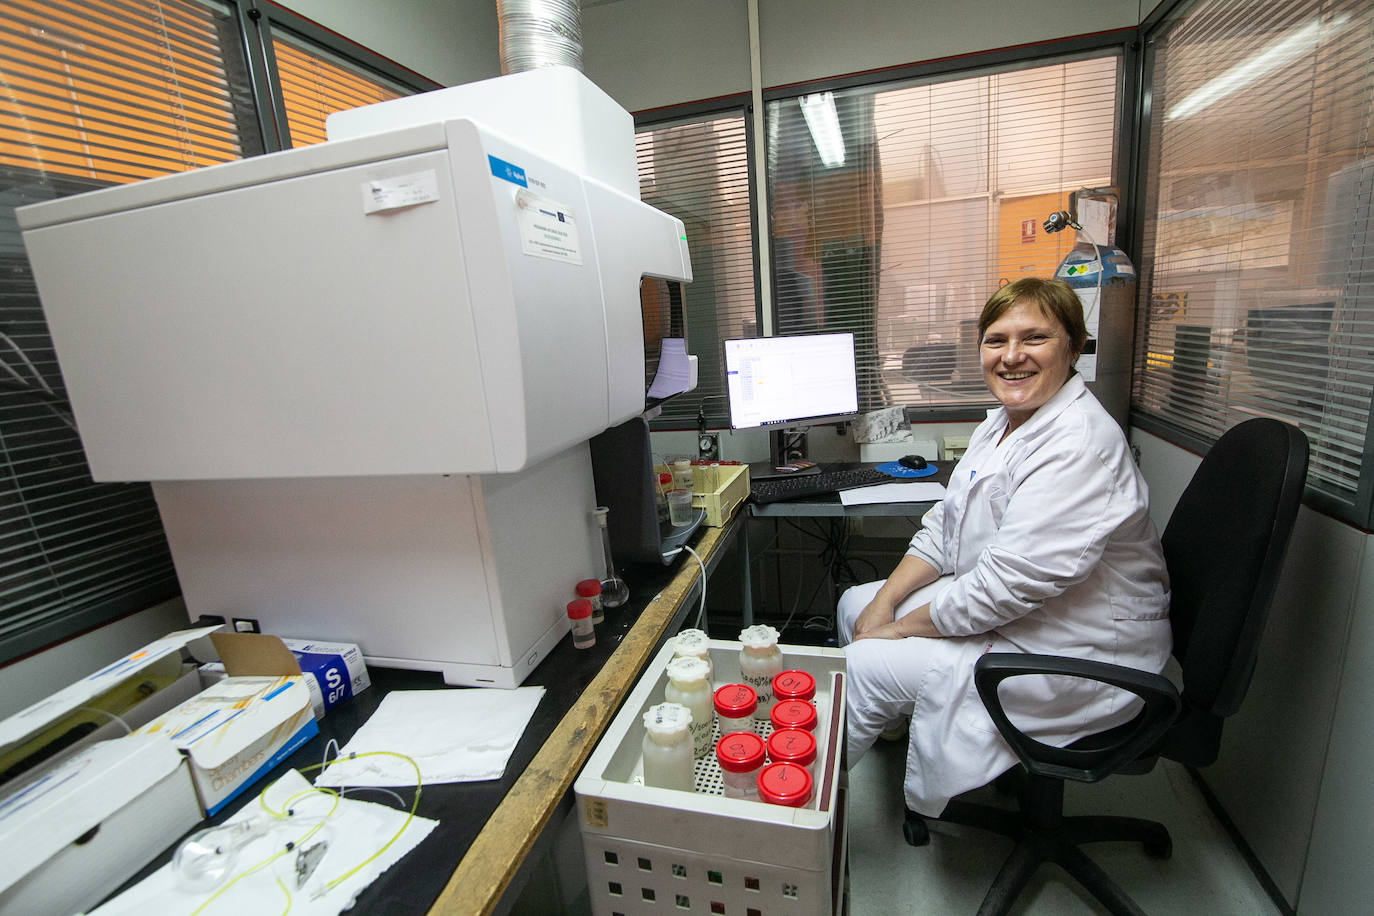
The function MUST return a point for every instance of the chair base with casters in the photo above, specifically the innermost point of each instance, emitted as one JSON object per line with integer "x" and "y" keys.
{"x": 1043, "y": 833}
{"x": 1224, "y": 548}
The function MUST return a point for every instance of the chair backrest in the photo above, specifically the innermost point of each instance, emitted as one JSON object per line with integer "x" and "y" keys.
{"x": 1224, "y": 546}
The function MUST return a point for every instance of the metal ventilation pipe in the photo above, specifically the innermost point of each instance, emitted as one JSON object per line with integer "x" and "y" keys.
{"x": 539, "y": 33}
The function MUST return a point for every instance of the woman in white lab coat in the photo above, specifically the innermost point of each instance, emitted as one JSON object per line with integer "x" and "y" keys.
{"x": 1042, "y": 544}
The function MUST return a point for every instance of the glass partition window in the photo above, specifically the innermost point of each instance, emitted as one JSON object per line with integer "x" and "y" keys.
{"x": 698, "y": 171}
{"x": 94, "y": 93}
{"x": 316, "y": 83}
{"x": 897, "y": 210}
{"x": 1257, "y": 279}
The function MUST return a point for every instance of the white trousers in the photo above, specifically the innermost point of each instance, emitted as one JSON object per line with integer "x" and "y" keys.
{"x": 884, "y": 674}
{"x": 951, "y": 746}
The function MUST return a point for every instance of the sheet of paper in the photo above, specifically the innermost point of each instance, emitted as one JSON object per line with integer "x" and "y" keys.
{"x": 674, "y": 373}
{"x": 920, "y": 491}
{"x": 262, "y": 878}
{"x": 459, "y": 735}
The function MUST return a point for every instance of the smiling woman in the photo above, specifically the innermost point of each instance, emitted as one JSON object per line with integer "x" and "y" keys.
{"x": 1042, "y": 544}
{"x": 1029, "y": 336}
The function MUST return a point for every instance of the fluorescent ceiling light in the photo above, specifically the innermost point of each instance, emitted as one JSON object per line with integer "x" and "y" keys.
{"x": 1269, "y": 58}
{"x": 824, "y": 124}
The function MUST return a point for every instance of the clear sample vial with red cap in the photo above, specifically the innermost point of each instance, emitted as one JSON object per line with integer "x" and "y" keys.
{"x": 580, "y": 613}
{"x": 591, "y": 590}
{"x": 735, "y": 705}
{"x": 792, "y": 745}
{"x": 793, "y": 685}
{"x": 740, "y": 755}
{"x": 784, "y": 784}
{"x": 793, "y": 714}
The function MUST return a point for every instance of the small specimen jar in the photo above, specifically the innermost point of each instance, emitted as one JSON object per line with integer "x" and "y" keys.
{"x": 784, "y": 784}
{"x": 688, "y": 686}
{"x": 580, "y": 613}
{"x": 667, "y": 747}
{"x": 740, "y": 755}
{"x": 792, "y": 745}
{"x": 591, "y": 590}
{"x": 793, "y": 714}
{"x": 793, "y": 685}
{"x": 735, "y": 704}
{"x": 759, "y": 661}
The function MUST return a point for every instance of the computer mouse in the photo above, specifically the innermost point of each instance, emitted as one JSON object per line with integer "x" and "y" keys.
{"x": 912, "y": 462}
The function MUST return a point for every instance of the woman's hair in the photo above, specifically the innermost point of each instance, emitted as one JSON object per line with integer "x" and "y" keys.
{"x": 1055, "y": 299}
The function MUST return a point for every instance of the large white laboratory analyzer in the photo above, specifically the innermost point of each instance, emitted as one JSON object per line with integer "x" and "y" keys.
{"x": 362, "y": 375}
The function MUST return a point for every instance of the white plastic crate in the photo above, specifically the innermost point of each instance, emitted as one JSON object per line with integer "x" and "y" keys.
{"x": 652, "y": 850}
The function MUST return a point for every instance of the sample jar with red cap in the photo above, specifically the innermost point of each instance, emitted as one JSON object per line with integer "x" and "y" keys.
{"x": 591, "y": 590}
{"x": 580, "y": 613}
{"x": 793, "y": 714}
{"x": 784, "y": 784}
{"x": 792, "y": 745}
{"x": 735, "y": 704}
{"x": 793, "y": 685}
{"x": 740, "y": 755}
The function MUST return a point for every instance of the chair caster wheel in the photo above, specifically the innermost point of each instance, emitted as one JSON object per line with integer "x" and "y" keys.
{"x": 915, "y": 830}
{"x": 1160, "y": 847}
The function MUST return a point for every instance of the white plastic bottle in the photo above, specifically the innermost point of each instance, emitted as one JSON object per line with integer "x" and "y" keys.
{"x": 688, "y": 686}
{"x": 759, "y": 660}
{"x": 694, "y": 643}
{"x": 667, "y": 747}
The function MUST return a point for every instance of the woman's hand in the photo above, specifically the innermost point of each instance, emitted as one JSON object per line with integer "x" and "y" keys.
{"x": 877, "y": 614}
{"x": 916, "y": 623}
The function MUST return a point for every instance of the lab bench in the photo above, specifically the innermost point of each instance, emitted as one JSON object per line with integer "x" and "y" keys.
{"x": 472, "y": 861}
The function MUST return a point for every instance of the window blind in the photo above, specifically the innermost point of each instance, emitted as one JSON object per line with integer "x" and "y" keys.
{"x": 91, "y": 93}
{"x": 896, "y": 210}
{"x": 698, "y": 171}
{"x": 316, "y": 83}
{"x": 1256, "y": 275}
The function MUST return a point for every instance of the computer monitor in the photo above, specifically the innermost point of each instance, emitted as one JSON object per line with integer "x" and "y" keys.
{"x": 791, "y": 381}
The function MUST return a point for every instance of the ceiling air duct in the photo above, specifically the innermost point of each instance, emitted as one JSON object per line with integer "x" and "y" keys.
{"x": 539, "y": 33}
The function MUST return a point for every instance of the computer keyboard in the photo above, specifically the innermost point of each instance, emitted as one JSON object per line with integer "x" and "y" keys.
{"x": 780, "y": 488}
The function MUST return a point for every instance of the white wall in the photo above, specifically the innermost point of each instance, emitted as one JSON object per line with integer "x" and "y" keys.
{"x": 1296, "y": 759}
{"x": 449, "y": 41}
{"x": 651, "y": 53}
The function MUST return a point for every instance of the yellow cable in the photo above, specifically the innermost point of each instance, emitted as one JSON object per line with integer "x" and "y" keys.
{"x": 285, "y": 812}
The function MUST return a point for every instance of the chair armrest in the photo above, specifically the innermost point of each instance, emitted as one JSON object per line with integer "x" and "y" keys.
{"x": 1083, "y": 764}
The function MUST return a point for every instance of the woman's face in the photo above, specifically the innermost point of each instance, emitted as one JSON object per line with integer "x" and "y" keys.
{"x": 1026, "y": 358}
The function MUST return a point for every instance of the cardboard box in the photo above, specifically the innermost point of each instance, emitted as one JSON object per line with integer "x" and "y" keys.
{"x": 234, "y": 732}
{"x": 74, "y": 829}
{"x": 333, "y": 671}
{"x": 133, "y": 691}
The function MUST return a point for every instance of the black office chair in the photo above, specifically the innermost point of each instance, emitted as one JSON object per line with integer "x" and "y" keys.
{"x": 1224, "y": 547}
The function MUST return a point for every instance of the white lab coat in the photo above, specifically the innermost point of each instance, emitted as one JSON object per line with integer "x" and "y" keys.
{"x": 1045, "y": 545}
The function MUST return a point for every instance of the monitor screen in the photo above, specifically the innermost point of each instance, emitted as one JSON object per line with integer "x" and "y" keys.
{"x": 779, "y": 381}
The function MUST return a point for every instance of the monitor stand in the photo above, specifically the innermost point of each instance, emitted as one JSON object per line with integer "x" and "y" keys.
{"x": 787, "y": 449}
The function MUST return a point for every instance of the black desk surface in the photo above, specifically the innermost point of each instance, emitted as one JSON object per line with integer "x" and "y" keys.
{"x": 421, "y": 881}
{"x": 829, "y": 504}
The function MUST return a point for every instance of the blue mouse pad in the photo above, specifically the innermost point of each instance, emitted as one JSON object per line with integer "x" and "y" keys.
{"x": 893, "y": 469}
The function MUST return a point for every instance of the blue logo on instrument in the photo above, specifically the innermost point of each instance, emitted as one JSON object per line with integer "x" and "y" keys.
{"x": 507, "y": 172}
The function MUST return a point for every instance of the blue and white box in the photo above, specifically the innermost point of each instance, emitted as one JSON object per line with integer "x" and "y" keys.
{"x": 334, "y": 671}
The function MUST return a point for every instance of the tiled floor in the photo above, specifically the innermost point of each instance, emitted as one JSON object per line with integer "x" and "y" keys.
{"x": 1206, "y": 873}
